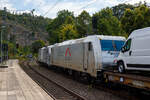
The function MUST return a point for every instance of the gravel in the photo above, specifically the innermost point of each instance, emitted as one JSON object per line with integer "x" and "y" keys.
{"x": 85, "y": 90}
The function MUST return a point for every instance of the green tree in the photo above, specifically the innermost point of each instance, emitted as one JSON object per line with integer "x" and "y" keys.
{"x": 107, "y": 24}
{"x": 56, "y": 24}
{"x": 62, "y": 15}
{"x": 84, "y": 24}
{"x": 136, "y": 19}
{"x": 36, "y": 45}
{"x": 67, "y": 31}
{"x": 69, "y": 20}
{"x": 142, "y": 15}
{"x": 128, "y": 21}
{"x": 119, "y": 10}
{"x": 53, "y": 31}
{"x": 12, "y": 51}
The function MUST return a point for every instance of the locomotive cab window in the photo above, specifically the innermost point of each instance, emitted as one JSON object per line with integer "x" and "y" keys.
{"x": 111, "y": 45}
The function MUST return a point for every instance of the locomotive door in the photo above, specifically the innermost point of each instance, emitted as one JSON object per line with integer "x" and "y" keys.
{"x": 85, "y": 56}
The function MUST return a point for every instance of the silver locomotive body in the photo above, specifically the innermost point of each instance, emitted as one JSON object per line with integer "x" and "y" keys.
{"x": 83, "y": 55}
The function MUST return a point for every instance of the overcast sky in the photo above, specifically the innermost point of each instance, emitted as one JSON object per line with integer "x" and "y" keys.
{"x": 49, "y": 8}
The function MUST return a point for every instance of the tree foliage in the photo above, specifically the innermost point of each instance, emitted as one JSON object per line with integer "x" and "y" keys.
{"x": 107, "y": 24}
{"x": 84, "y": 24}
{"x": 63, "y": 17}
{"x": 118, "y": 20}
{"x": 67, "y": 32}
{"x": 136, "y": 19}
{"x": 28, "y": 20}
{"x": 119, "y": 10}
{"x": 36, "y": 45}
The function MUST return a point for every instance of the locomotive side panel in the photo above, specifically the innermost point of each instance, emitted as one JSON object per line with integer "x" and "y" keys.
{"x": 48, "y": 59}
{"x": 39, "y": 55}
{"x": 78, "y": 56}
{"x": 45, "y": 55}
{"x": 89, "y": 59}
{"x": 82, "y": 58}
{"x": 57, "y": 56}
{"x": 42, "y": 56}
{"x": 68, "y": 56}
{"x": 74, "y": 56}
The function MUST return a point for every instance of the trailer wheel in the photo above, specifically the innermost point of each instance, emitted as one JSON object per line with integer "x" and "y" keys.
{"x": 121, "y": 67}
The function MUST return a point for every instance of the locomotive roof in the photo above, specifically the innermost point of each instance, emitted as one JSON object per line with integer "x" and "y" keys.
{"x": 43, "y": 48}
{"x": 88, "y": 38}
{"x": 106, "y": 37}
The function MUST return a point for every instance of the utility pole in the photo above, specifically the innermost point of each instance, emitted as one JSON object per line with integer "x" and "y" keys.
{"x": 2, "y": 44}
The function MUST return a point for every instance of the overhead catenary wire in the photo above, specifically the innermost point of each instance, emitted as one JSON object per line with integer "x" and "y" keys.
{"x": 90, "y": 3}
{"x": 36, "y": 8}
{"x": 126, "y": 1}
{"x": 51, "y": 7}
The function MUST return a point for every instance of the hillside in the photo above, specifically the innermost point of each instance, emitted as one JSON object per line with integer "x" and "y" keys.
{"x": 24, "y": 29}
{"x": 32, "y": 32}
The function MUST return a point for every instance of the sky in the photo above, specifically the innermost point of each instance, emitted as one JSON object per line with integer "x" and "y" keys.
{"x": 49, "y": 8}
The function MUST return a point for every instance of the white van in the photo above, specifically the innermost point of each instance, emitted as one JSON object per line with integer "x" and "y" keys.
{"x": 135, "y": 54}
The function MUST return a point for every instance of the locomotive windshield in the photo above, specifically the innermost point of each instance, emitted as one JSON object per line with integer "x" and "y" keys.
{"x": 111, "y": 45}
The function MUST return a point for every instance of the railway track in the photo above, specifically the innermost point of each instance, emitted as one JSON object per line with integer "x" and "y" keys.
{"x": 54, "y": 89}
{"x": 125, "y": 92}
{"x": 122, "y": 92}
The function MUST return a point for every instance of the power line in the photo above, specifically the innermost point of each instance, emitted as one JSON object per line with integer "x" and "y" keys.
{"x": 86, "y": 5}
{"x": 36, "y": 7}
{"x": 127, "y": 1}
{"x": 94, "y": 2}
{"x": 52, "y": 7}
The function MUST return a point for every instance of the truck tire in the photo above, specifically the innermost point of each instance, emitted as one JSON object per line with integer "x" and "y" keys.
{"x": 121, "y": 67}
